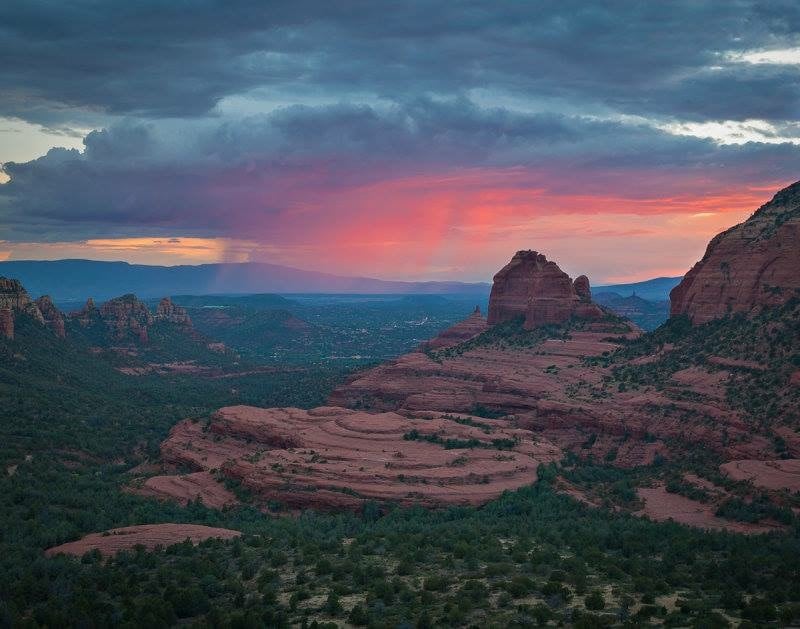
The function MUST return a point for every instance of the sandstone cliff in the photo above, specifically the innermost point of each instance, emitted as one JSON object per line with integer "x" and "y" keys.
{"x": 533, "y": 287}
{"x": 753, "y": 265}
{"x": 53, "y": 317}
{"x": 14, "y": 299}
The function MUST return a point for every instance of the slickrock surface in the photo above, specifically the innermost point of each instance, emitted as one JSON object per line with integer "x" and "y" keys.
{"x": 548, "y": 388}
{"x": 169, "y": 312}
{"x": 660, "y": 505}
{"x": 469, "y": 328}
{"x": 533, "y": 287}
{"x": 52, "y": 316}
{"x": 189, "y": 487}
{"x": 776, "y": 474}
{"x": 750, "y": 266}
{"x": 148, "y": 535}
{"x": 332, "y": 457}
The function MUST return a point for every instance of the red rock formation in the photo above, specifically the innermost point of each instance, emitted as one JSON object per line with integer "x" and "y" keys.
{"x": 548, "y": 388}
{"x": 7, "y": 323}
{"x": 188, "y": 488}
{"x": 337, "y": 458}
{"x": 533, "y": 287}
{"x": 125, "y": 315}
{"x": 86, "y": 315}
{"x": 15, "y": 299}
{"x": 753, "y": 265}
{"x": 460, "y": 332}
{"x": 148, "y": 535}
{"x": 53, "y": 317}
{"x": 169, "y": 312}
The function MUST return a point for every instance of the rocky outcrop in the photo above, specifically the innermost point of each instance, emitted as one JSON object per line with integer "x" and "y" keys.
{"x": 127, "y": 315}
{"x": 7, "y": 323}
{"x": 751, "y": 266}
{"x": 536, "y": 289}
{"x": 15, "y": 299}
{"x": 53, "y": 317}
{"x": 336, "y": 458}
{"x": 550, "y": 388}
{"x": 148, "y": 535}
{"x": 460, "y": 332}
{"x": 86, "y": 315}
{"x": 170, "y": 313}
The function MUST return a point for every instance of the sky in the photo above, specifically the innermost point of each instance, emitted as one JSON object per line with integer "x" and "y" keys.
{"x": 412, "y": 140}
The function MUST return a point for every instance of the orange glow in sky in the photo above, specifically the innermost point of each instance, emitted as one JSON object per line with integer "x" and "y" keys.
{"x": 463, "y": 226}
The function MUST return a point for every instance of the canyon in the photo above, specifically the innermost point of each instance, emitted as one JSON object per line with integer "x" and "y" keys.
{"x": 476, "y": 410}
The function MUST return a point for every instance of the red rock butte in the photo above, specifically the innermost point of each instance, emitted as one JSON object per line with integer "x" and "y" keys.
{"x": 751, "y": 266}
{"x": 536, "y": 289}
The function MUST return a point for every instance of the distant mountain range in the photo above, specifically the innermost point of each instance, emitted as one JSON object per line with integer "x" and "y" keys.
{"x": 656, "y": 289}
{"x": 73, "y": 280}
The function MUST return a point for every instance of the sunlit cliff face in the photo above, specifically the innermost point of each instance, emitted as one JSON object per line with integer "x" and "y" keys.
{"x": 428, "y": 145}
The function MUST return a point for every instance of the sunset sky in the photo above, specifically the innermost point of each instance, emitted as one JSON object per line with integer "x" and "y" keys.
{"x": 411, "y": 140}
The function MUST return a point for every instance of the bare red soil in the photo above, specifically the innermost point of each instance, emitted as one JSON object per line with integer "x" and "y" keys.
{"x": 148, "y": 535}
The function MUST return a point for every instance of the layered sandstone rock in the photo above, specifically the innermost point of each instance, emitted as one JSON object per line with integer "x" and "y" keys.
{"x": 337, "y": 458}
{"x": 14, "y": 299}
{"x": 534, "y": 288}
{"x": 469, "y": 328}
{"x": 753, "y": 265}
{"x": 549, "y": 388}
{"x": 127, "y": 315}
{"x": 53, "y": 317}
{"x": 170, "y": 313}
{"x": 148, "y": 535}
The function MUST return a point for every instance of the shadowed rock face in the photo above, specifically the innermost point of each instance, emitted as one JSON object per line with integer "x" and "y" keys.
{"x": 14, "y": 298}
{"x": 169, "y": 312}
{"x": 753, "y": 265}
{"x": 533, "y": 287}
{"x": 85, "y": 315}
{"x": 53, "y": 317}
{"x": 127, "y": 314}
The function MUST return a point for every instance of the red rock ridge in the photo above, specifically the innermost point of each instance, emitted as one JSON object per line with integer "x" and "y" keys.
{"x": 169, "y": 312}
{"x": 533, "y": 287}
{"x": 460, "y": 332}
{"x": 753, "y": 265}
{"x": 125, "y": 315}
{"x": 53, "y": 317}
{"x": 85, "y": 315}
{"x": 14, "y": 299}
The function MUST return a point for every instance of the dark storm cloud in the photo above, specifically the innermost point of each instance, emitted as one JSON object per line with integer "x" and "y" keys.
{"x": 64, "y": 61}
{"x": 225, "y": 176}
